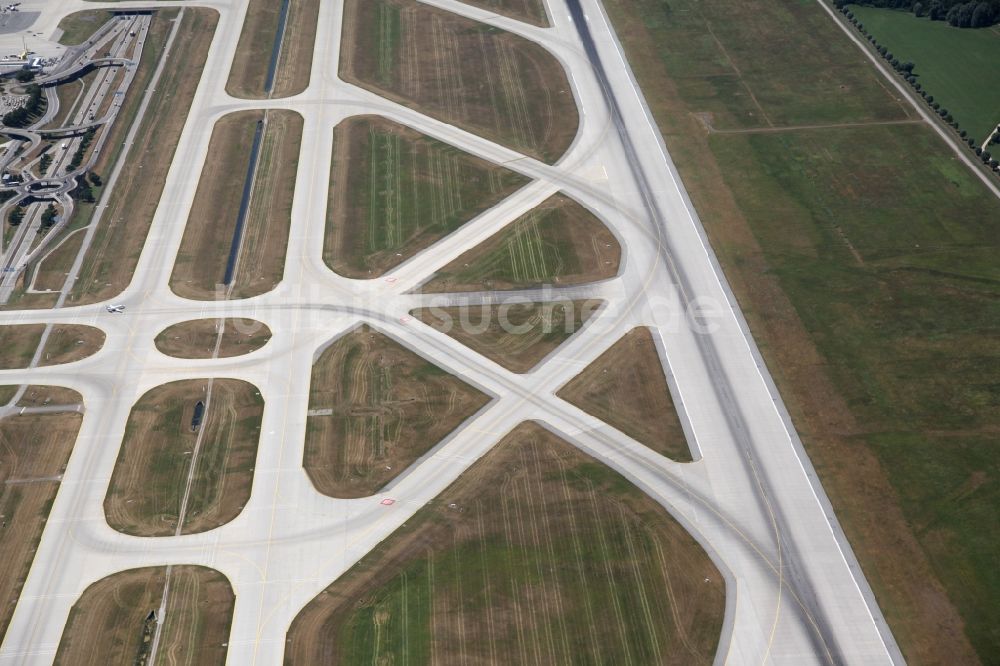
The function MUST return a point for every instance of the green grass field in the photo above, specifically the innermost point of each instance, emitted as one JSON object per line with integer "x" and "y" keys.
{"x": 864, "y": 259}
{"x": 538, "y": 554}
{"x": 958, "y": 66}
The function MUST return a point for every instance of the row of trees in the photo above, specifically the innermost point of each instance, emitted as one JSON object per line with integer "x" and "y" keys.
{"x": 21, "y": 116}
{"x": 905, "y": 69}
{"x": 959, "y": 13}
{"x": 82, "y": 148}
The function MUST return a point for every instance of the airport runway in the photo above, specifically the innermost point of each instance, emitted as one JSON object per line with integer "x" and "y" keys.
{"x": 795, "y": 594}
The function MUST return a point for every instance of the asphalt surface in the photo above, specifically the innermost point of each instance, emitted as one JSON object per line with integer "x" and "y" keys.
{"x": 795, "y": 594}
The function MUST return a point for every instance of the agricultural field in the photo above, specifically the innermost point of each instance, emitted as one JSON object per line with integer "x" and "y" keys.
{"x": 516, "y": 335}
{"x": 111, "y": 624}
{"x": 162, "y": 485}
{"x": 374, "y": 408}
{"x": 468, "y": 74}
{"x": 200, "y": 268}
{"x": 529, "y": 11}
{"x": 958, "y": 66}
{"x": 66, "y": 343}
{"x": 537, "y": 554}
{"x": 395, "y": 191}
{"x": 114, "y": 253}
{"x": 627, "y": 388}
{"x": 559, "y": 243}
{"x": 258, "y": 43}
{"x": 863, "y": 258}
{"x": 34, "y": 450}
{"x": 199, "y": 338}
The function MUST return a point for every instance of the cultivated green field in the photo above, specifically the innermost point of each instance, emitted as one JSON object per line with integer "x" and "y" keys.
{"x": 864, "y": 259}
{"x": 538, "y": 554}
{"x": 960, "y": 67}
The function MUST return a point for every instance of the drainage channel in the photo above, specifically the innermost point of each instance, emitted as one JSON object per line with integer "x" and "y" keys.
{"x": 234, "y": 248}
{"x": 279, "y": 38}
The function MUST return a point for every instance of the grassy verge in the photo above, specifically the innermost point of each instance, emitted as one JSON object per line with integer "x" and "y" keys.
{"x": 861, "y": 258}
{"x": 40, "y": 396}
{"x": 626, "y": 387}
{"x": 394, "y": 191}
{"x": 559, "y": 243}
{"x": 955, "y": 65}
{"x": 121, "y": 236}
{"x": 201, "y": 261}
{"x": 147, "y": 486}
{"x": 197, "y": 338}
{"x": 111, "y": 624}
{"x": 79, "y": 26}
{"x": 248, "y": 75}
{"x": 485, "y": 80}
{"x": 34, "y": 450}
{"x": 537, "y": 554}
{"x": 530, "y": 11}
{"x": 66, "y": 343}
{"x": 517, "y": 336}
{"x": 375, "y": 407}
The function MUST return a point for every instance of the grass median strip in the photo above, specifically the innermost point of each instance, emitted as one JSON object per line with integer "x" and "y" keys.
{"x": 118, "y": 241}
{"x": 537, "y": 554}
{"x": 394, "y": 192}
{"x": 66, "y": 343}
{"x": 559, "y": 243}
{"x": 197, "y": 338}
{"x": 374, "y": 408}
{"x": 480, "y": 78}
{"x": 529, "y": 11}
{"x": 148, "y": 484}
{"x": 114, "y": 619}
{"x": 200, "y": 268}
{"x": 34, "y": 451}
{"x": 257, "y": 46}
{"x": 515, "y": 335}
{"x": 863, "y": 260}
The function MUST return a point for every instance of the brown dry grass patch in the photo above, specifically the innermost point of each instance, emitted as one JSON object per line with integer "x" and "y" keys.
{"x": 41, "y": 395}
{"x": 197, "y": 338}
{"x": 52, "y": 270}
{"x": 108, "y": 623}
{"x": 529, "y": 11}
{"x": 375, "y": 407}
{"x": 482, "y": 79}
{"x": 34, "y": 450}
{"x": 119, "y": 240}
{"x": 248, "y": 75}
{"x": 516, "y": 335}
{"x": 559, "y": 243}
{"x": 627, "y": 388}
{"x": 201, "y": 260}
{"x": 537, "y": 554}
{"x": 395, "y": 191}
{"x": 66, "y": 343}
{"x": 147, "y": 486}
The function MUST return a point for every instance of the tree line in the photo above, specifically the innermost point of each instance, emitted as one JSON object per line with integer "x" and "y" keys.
{"x": 959, "y": 13}
{"x": 905, "y": 70}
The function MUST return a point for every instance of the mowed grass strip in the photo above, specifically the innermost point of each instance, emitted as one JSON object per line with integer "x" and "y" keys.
{"x": 374, "y": 408}
{"x": 79, "y": 26}
{"x": 515, "y": 335}
{"x": 480, "y": 78}
{"x": 863, "y": 260}
{"x": 200, "y": 267}
{"x": 958, "y": 66}
{"x": 395, "y": 191}
{"x": 530, "y": 11}
{"x": 538, "y": 554}
{"x": 248, "y": 76}
{"x": 147, "y": 487}
{"x": 66, "y": 343}
{"x": 559, "y": 243}
{"x": 110, "y": 623}
{"x": 34, "y": 451}
{"x": 197, "y": 338}
{"x": 626, "y": 387}
{"x": 119, "y": 239}
{"x": 41, "y": 396}
{"x": 52, "y": 270}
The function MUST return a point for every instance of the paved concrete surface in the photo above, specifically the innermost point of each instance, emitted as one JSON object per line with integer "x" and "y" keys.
{"x": 794, "y": 592}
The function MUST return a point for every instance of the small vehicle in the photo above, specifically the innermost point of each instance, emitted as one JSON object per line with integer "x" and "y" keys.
{"x": 116, "y": 308}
